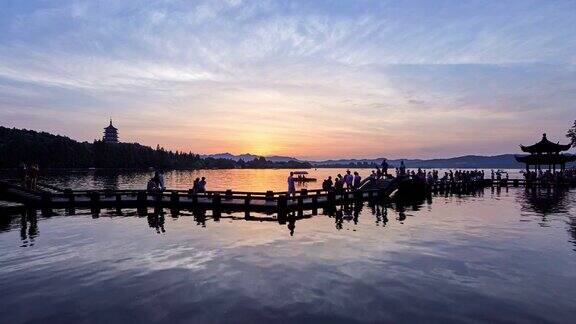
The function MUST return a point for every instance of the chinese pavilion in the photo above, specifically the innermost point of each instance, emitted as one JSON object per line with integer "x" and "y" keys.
{"x": 110, "y": 134}
{"x": 545, "y": 153}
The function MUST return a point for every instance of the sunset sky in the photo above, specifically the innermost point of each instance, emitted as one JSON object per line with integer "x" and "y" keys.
{"x": 311, "y": 79}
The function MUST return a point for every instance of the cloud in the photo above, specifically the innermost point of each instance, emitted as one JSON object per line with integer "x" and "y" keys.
{"x": 396, "y": 75}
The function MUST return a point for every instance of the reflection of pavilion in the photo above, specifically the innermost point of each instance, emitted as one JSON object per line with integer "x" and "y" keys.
{"x": 549, "y": 202}
{"x": 545, "y": 153}
{"x": 545, "y": 201}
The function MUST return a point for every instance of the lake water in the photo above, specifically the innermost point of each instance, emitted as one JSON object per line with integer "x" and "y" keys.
{"x": 499, "y": 256}
{"x": 236, "y": 179}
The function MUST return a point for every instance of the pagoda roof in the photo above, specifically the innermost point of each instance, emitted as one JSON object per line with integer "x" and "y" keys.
{"x": 545, "y": 146}
{"x": 111, "y": 127}
{"x": 546, "y": 159}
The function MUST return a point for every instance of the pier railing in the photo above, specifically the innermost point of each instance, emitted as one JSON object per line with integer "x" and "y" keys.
{"x": 264, "y": 201}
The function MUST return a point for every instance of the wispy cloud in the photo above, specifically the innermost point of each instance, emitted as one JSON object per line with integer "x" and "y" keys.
{"x": 308, "y": 78}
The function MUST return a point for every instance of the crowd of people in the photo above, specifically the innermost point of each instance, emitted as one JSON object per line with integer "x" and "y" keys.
{"x": 156, "y": 183}
{"x": 29, "y": 175}
{"x": 199, "y": 185}
{"x": 349, "y": 181}
{"x": 433, "y": 176}
{"x": 353, "y": 180}
{"x": 549, "y": 176}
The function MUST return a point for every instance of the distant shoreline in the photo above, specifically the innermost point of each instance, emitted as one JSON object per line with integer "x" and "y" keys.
{"x": 204, "y": 169}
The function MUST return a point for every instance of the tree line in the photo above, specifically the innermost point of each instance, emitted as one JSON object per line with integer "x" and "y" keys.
{"x": 19, "y": 146}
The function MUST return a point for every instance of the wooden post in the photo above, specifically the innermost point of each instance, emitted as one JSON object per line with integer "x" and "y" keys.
{"x": 282, "y": 207}
{"x": 95, "y": 202}
{"x": 118, "y": 203}
{"x": 315, "y": 204}
{"x": 94, "y": 198}
{"x": 229, "y": 194}
{"x": 142, "y": 197}
{"x": 47, "y": 204}
{"x": 332, "y": 198}
{"x": 70, "y": 196}
{"x": 304, "y": 192}
{"x": 142, "y": 200}
{"x": 174, "y": 198}
{"x": 381, "y": 194}
{"x": 216, "y": 204}
{"x": 269, "y": 195}
{"x": 158, "y": 197}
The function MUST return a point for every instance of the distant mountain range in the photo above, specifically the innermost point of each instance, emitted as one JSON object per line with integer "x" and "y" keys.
{"x": 468, "y": 161}
{"x": 249, "y": 157}
{"x": 504, "y": 161}
{"x": 20, "y": 145}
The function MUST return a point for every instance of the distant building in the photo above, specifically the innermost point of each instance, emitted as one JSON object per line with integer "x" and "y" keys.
{"x": 110, "y": 134}
{"x": 545, "y": 153}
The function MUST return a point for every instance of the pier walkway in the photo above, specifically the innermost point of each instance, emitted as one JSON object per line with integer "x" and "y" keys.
{"x": 49, "y": 197}
{"x": 14, "y": 197}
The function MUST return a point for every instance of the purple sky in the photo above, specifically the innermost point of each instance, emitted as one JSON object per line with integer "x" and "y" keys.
{"x": 311, "y": 79}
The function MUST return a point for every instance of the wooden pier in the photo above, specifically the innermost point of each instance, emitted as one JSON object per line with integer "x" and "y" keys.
{"x": 48, "y": 197}
{"x": 8, "y": 207}
{"x": 269, "y": 202}
{"x": 265, "y": 202}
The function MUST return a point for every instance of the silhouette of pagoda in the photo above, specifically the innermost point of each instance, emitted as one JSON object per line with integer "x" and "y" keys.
{"x": 545, "y": 153}
{"x": 110, "y": 134}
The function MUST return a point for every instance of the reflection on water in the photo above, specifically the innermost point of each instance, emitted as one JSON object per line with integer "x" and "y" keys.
{"x": 545, "y": 201}
{"x": 236, "y": 179}
{"x": 503, "y": 255}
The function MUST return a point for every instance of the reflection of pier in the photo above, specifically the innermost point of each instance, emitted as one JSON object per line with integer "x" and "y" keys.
{"x": 341, "y": 215}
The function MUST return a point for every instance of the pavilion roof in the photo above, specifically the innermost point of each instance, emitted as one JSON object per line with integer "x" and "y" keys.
{"x": 545, "y": 146}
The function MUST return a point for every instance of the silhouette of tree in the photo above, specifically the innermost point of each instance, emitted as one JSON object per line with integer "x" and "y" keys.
{"x": 571, "y": 134}
{"x": 51, "y": 151}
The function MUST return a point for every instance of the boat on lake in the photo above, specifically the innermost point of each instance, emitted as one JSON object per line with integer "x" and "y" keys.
{"x": 300, "y": 176}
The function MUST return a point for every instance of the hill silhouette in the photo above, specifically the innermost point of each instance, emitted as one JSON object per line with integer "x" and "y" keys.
{"x": 54, "y": 151}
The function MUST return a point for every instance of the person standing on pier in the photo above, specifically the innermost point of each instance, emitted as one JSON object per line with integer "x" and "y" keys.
{"x": 339, "y": 183}
{"x": 33, "y": 176}
{"x": 152, "y": 185}
{"x": 195, "y": 185}
{"x": 23, "y": 175}
{"x": 291, "y": 186}
{"x": 402, "y": 168}
{"x": 357, "y": 180}
{"x": 348, "y": 178}
{"x": 327, "y": 184}
{"x": 385, "y": 167}
{"x": 202, "y": 185}
{"x": 159, "y": 177}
